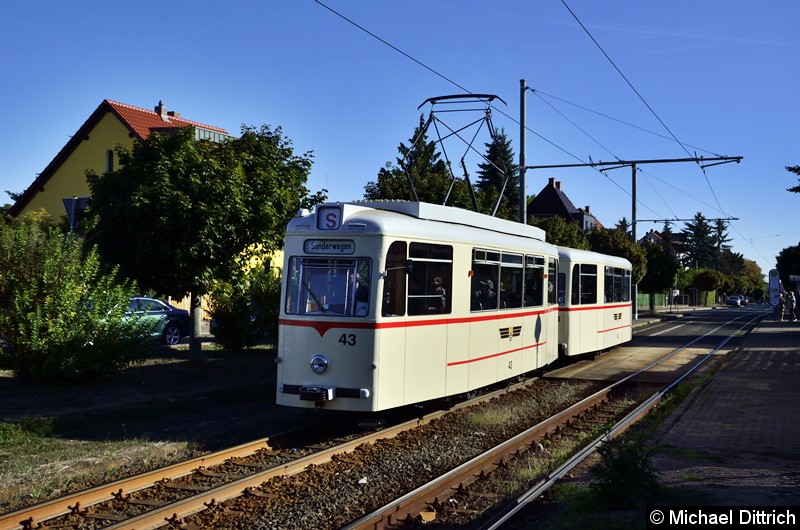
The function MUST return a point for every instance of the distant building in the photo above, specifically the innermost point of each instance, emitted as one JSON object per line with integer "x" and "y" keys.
{"x": 92, "y": 148}
{"x": 553, "y": 202}
{"x": 653, "y": 236}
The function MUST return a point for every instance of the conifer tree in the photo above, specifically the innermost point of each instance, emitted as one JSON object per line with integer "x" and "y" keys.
{"x": 796, "y": 171}
{"x": 720, "y": 235}
{"x": 667, "y": 237}
{"x": 421, "y": 163}
{"x": 499, "y": 175}
{"x": 699, "y": 243}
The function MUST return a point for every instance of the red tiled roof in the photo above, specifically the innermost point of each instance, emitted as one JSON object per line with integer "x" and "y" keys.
{"x": 139, "y": 121}
{"x": 142, "y": 121}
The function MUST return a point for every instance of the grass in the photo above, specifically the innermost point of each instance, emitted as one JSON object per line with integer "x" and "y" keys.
{"x": 35, "y": 466}
{"x": 151, "y": 425}
{"x": 491, "y": 417}
{"x": 578, "y": 503}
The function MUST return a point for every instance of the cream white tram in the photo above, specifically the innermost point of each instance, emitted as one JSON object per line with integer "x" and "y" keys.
{"x": 594, "y": 297}
{"x": 387, "y": 304}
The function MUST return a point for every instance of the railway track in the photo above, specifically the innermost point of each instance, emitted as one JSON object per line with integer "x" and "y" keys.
{"x": 451, "y": 499}
{"x": 223, "y": 489}
{"x": 171, "y": 493}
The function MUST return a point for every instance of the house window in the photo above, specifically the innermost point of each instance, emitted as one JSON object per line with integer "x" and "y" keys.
{"x": 109, "y": 161}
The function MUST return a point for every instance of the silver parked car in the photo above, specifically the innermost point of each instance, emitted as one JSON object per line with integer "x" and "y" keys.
{"x": 735, "y": 299}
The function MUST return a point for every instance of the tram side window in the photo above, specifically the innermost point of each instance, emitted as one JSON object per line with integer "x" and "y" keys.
{"x": 394, "y": 282}
{"x": 626, "y": 286}
{"x": 575, "y": 292}
{"x": 584, "y": 284}
{"x": 485, "y": 280}
{"x": 617, "y": 284}
{"x": 511, "y": 274}
{"x": 588, "y": 284}
{"x": 552, "y": 266}
{"x": 430, "y": 280}
{"x": 534, "y": 281}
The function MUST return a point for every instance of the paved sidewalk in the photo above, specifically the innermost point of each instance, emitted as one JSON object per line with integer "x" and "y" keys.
{"x": 736, "y": 438}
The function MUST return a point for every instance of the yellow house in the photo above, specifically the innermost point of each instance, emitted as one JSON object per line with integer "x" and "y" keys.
{"x": 112, "y": 124}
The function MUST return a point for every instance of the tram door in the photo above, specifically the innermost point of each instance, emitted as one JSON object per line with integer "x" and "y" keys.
{"x": 417, "y": 290}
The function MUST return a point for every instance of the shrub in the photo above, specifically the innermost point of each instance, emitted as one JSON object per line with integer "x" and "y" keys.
{"x": 231, "y": 316}
{"x": 60, "y": 318}
{"x": 245, "y": 313}
{"x": 627, "y": 477}
{"x": 265, "y": 286}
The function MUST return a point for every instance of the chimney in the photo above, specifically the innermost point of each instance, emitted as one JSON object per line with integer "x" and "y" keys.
{"x": 161, "y": 110}
{"x": 551, "y": 182}
{"x": 587, "y": 209}
{"x": 558, "y": 185}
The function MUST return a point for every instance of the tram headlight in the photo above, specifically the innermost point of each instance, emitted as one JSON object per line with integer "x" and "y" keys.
{"x": 319, "y": 363}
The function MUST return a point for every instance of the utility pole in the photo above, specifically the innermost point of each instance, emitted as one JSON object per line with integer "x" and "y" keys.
{"x": 523, "y": 214}
{"x": 633, "y": 165}
{"x": 523, "y": 198}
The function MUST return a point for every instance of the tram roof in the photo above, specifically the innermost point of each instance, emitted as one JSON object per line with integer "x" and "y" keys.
{"x": 452, "y": 215}
{"x": 575, "y": 254}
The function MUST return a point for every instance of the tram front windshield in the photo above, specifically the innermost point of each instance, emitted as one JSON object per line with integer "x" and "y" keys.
{"x": 328, "y": 287}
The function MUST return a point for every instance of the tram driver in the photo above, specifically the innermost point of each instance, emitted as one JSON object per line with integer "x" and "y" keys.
{"x": 362, "y": 297}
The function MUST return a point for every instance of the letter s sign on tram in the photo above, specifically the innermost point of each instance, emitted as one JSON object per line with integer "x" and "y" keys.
{"x": 329, "y": 217}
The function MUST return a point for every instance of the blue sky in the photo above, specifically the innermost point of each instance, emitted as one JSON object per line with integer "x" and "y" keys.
{"x": 720, "y": 76}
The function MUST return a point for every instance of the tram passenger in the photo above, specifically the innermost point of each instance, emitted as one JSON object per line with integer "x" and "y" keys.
{"x": 484, "y": 296}
{"x": 437, "y": 301}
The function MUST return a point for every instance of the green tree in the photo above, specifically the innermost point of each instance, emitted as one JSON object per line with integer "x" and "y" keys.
{"x": 699, "y": 245}
{"x": 616, "y": 242}
{"x": 720, "y": 236}
{"x": 421, "y": 163}
{"x": 684, "y": 281}
{"x": 6, "y": 207}
{"x": 192, "y": 212}
{"x": 729, "y": 285}
{"x": 796, "y": 171}
{"x": 707, "y": 281}
{"x": 751, "y": 271}
{"x": 624, "y": 225}
{"x": 499, "y": 175}
{"x": 730, "y": 262}
{"x": 662, "y": 267}
{"x": 788, "y": 263}
{"x": 669, "y": 239}
{"x": 562, "y": 232}
{"x": 61, "y": 318}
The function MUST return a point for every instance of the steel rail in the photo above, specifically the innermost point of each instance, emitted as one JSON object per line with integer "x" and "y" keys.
{"x": 197, "y": 503}
{"x": 62, "y": 505}
{"x": 37, "y": 514}
{"x": 418, "y": 500}
{"x": 536, "y": 491}
{"x": 204, "y": 500}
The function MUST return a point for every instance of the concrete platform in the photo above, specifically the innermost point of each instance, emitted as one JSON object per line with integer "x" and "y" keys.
{"x": 736, "y": 439}
{"x": 622, "y": 361}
